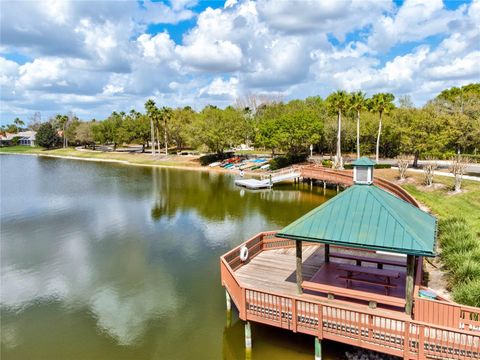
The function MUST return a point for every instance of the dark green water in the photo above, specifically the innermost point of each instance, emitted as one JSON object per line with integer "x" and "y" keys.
{"x": 105, "y": 261}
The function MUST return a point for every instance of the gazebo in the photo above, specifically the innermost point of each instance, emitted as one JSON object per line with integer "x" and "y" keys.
{"x": 368, "y": 218}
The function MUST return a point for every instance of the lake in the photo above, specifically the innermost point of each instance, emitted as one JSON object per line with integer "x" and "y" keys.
{"x": 108, "y": 261}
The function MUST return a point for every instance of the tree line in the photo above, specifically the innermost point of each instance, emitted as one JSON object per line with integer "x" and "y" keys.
{"x": 341, "y": 123}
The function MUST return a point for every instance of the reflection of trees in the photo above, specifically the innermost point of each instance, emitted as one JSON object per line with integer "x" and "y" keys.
{"x": 215, "y": 197}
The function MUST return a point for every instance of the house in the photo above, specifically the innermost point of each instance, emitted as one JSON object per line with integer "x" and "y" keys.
{"x": 24, "y": 138}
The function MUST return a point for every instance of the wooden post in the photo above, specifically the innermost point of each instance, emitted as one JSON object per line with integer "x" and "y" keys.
{"x": 229, "y": 308}
{"x": 409, "y": 284}
{"x": 298, "y": 246}
{"x": 248, "y": 336}
{"x": 318, "y": 349}
{"x": 327, "y": 253}
{"x": 229, "y": 300}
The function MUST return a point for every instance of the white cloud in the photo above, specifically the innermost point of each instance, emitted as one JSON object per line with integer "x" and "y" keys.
{"x": 415, "y": 20}
{"x": 336, "y": 17}
{"x": 219, "y": 87}
{"x": 217, "y": 56}
{"x": 102, "y": 58}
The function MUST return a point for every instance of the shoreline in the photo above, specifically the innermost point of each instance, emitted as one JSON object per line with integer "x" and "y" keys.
{"x": 126, "y": 162}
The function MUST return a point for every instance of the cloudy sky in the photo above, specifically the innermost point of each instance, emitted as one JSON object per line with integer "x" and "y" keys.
{"x": 93, "y": 57}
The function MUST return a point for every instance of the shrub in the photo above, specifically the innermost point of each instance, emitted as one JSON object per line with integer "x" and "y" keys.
{"x": 210, "y": 158}
{"x": 468, "y": 270}
{"x": 327, "y": 163}
{"x": 289, "y": 159}
{"x": 473, "y": 157}
{"x": 461, "y": 258}
{"x": 468, "y": 293}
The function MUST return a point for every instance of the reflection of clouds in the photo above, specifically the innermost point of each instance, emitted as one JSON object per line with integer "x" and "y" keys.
{"x": 125, "y": 317}
{"x": 123, "y": 296}
{"x": 9, "y": 337}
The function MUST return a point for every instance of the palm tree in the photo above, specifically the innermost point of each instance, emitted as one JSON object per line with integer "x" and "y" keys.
{"x": 18, "y": 122}
{"x": 338, "y": 103}
{"x": 358, "y": 102}
{"x": 151, "y": 112}
{"x": 166, "y": 115}
{"x": 381, "y": 103}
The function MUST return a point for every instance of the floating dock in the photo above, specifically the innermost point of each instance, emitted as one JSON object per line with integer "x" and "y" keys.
{"x": 269, "y": 182}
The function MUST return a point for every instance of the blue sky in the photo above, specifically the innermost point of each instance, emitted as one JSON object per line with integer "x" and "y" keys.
{"x": 94, "y": 57}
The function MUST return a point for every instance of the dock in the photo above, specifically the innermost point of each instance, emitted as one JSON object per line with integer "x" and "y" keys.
{"x": 351, "y": 271}
{"x": 263, "y": 290}
{"x": 268, "y": 182}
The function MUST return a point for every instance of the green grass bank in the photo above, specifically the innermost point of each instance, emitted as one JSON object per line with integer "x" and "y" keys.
{"x": 459, "y": 234}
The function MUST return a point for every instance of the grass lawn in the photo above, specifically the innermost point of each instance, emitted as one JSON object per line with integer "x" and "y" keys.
{"x": 20, "y": 149}
{"x": 136, "y": 158}
{"x": 459, "y": 231}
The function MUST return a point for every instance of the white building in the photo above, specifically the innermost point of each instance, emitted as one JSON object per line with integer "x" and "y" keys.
{"x": 25, "y": 138}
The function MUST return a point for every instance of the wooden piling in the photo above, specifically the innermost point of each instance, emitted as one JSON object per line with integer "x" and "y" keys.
{"x": 229, "y": 300}
{"x": 409, "y": 284}
{"x": 248, "y": 336}
{"x": 318, "y": 349}
{"x": 298, "y": 246}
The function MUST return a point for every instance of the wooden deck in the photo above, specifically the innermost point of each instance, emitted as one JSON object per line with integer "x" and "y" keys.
{"x": 264, "y": 290}
{"x": 274, "y": 270}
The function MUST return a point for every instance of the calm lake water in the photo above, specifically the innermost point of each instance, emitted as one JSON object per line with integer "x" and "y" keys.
{"x": 106, "y": 261}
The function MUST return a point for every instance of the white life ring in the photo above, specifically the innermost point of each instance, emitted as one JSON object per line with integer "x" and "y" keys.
{"x": 241, "y": 173}
{"x": 243, "y": 253}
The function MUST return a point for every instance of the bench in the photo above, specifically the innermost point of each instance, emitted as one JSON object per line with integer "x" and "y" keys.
{"x": 360, "y": 259}
{"x": 368, "y": 270}
{"x": 353, "y": 269}
{"x": 353, "y": 294}
{"x": 387, "y": 286}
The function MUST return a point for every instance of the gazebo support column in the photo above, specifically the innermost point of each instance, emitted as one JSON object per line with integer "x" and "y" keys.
{"x": 298, "y": 246}
{"x": 409, "y": 284}
{"x": 327, "y": 253}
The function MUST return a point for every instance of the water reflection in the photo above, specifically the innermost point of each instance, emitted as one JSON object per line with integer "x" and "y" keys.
{"x": 107, "y": 261}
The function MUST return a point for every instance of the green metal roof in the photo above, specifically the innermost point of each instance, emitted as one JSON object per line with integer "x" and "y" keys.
{"x": 363, "y": 161}
{"x": 370, "y": 218}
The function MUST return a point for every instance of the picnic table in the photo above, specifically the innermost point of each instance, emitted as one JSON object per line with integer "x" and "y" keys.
{"x": 353, "y": 271}
{"x": 359, "y": 259}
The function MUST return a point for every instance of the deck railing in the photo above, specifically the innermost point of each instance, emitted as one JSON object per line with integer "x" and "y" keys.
{"x": 423, "y": 337}
{"x": 345, "y": 178}
{"x": 448, "y": 314}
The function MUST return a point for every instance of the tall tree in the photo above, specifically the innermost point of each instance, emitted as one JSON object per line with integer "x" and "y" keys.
{"x": 218, "y": 129}
{"x": 60, "y": 123}
{"x": 47, "y": 136}
{"x": 181, "y": 120}
{"x": 338, "y": 103}
{"x": 166, "y": 115}
{"x": 358, "y": 102}
{"x": 19, "y": 123}
{"x": 152, "y": 113}
{"x": 381, "y": 103}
